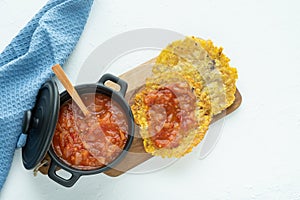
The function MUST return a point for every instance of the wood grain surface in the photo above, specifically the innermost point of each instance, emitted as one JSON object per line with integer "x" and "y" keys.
{"x": 136, "y": 153}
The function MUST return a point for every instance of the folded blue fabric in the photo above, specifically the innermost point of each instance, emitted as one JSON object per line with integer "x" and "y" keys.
{"x": 25, "y": 65}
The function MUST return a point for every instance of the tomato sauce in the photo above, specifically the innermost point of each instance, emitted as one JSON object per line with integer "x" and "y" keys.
{"x": 93, "y": 141}
{"x": 171, "y": 114}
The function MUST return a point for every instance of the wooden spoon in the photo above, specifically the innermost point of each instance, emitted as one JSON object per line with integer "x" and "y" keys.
{"x": 59, "y": 72}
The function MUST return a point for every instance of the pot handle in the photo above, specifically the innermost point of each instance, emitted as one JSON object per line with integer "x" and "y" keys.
{"x": 109, "y": 77}
{"x": 60, "y": 180}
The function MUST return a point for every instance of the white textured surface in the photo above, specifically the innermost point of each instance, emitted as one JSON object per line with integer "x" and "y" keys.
{"x": 258, "y": 154}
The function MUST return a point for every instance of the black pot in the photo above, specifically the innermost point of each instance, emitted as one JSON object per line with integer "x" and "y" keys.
{"x": 35, "y": 124}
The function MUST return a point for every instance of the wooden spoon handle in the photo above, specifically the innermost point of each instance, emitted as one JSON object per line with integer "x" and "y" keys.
{"x": 59, "y": 72}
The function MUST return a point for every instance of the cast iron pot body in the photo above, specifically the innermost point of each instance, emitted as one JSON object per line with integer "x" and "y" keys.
{"x": 118, "y": 97}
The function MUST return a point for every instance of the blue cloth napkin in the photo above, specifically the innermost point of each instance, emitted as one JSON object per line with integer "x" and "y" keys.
{"x": 26, "y": 63}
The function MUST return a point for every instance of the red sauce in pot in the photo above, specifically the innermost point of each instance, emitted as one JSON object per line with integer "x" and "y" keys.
{"x": 171, "y": 114}
{"x": 93, "y": 141}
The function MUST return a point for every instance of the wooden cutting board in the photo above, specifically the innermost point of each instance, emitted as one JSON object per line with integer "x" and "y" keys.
{"x": 137, "y": 155}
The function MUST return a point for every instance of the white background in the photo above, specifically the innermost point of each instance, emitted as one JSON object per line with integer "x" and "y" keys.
{"x": 257, "y": 156}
